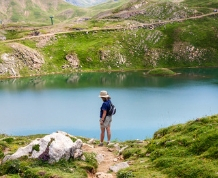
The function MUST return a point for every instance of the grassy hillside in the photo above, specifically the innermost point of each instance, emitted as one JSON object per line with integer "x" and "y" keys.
{"x": 161, "y": 10}
{"x": 85, "y": 3}
{"x": 138, "y": 41}
{"x": 39, "y": 12}
{"x": 192, "y": 43}
{"x": 183, "y": 150}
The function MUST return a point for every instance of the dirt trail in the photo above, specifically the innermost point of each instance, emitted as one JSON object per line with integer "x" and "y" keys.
{"x": 115, "y": 28}
{"x": 109, "y": 158}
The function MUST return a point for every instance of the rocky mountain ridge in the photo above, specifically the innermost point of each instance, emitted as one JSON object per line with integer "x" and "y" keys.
{"x": 39, "y": 12}
{"x": 85, "y": 3}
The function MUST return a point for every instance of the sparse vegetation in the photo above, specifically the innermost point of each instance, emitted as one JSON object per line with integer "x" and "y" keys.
{"x": 161, "y": 71}
{"x": 166, "y": 38}
{"x": 108, "y": 44}
{"x": 183, "y": 150}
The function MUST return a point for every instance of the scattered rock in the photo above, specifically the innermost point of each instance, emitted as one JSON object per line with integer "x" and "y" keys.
{"x": 30, "y": 57}
{"x": 91, "y": 141}
{"x": 117, "y": 146}
{"x": 73, "y": 60}
{"x": 103, "y": 175}
{"x": 9, "y": 65}
{"x": 122, "y": 149}
{"x": 115, "y": 160}
{"x": 100, "y": 158}
{"x": 2, "y": 38}
{"x": 119, "y": 166}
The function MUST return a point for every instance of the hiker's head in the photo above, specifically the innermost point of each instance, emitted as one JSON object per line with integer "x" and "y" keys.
{"x": 104, "y": 95}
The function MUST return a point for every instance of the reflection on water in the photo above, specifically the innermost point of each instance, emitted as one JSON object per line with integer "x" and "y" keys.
{"x": 115, "y": 79}
{"x": 70, "y": 102}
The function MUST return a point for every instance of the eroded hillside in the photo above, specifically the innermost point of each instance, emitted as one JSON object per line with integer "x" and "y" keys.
{"x": 181, "y": 38}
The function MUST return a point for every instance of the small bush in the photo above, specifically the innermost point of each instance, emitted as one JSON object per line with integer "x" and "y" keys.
{"x": 161, "y": 71}
{"x": 36, "y": 147}
{"x": 131, "y": 152}
{"x": 125, "y": 174}
{"x": 9, "y": 140}
{"x": 1, "y": 154}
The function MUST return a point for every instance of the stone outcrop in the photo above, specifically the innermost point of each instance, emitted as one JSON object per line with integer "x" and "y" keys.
{"x": 73, "y": 60}
{"x": 51, "y": 148}
{"x": 21, "y": 57}
{"x": 9, "y": 65}
{"x": 28, "y": 56}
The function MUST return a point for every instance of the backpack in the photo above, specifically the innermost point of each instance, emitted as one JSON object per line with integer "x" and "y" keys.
{"x": 112, "y": 110}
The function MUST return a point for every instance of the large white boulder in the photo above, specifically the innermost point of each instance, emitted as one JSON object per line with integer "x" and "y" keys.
{"x": 51, "y": 148}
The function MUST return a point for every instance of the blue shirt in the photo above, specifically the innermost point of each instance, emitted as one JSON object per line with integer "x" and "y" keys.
{"x": 105, "y": 106}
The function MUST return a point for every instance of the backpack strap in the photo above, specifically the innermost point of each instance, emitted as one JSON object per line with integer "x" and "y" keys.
{"x": 109, "y": 106}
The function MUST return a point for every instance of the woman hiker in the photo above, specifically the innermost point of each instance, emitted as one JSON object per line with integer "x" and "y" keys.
{"x": 105, "y": 120}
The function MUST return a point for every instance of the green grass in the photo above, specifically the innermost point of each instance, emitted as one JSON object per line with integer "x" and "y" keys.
{"x": 190, "y": 43}
{"x": 166, "y": 46}
{"x": 4, "y": 48}
{"x": 39, "y": 13}
{"x": 161, "y": 71}
{"x": 183, "y": 150}
{"x": 202, "y": 3}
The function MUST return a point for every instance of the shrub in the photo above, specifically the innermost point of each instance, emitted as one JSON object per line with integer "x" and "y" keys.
{"x": 9, "y": 140}
{"x": 124, "y": 174}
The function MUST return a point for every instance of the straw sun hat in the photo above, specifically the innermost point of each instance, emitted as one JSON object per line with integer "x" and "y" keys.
{"x": 104, "y": 94}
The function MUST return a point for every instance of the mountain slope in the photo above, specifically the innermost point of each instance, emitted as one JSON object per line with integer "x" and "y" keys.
{"x": 157, "y": 10}
{"x": 29, "y": 11}
{"x": 32, "y": 11}
{"x": 85, "y": 3}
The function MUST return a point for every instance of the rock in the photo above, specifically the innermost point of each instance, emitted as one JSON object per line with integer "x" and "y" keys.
{"x": 99, "y": 158}
{"x": 83, "y": 158}
{"x": 51, "y": 148}
{"x": 77, "y": 153}
{"x": 119, "y": 166}
{"x": 73, "y": 60}
{"x": 28, "y": 56}
{"x": 2, "y": 38}
{"x": 103, "y": 175}
{"x": 117, "y": 146}
{"x": 122, "y": 149}
{"x": 90, "y": 146}
{"x": 91, "y": 141}
{"x": 115, "y": 160}
{"x": 9, "y": 65}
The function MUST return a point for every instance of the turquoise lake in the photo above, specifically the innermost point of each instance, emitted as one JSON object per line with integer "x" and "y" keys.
{"x": 70, "y": 102}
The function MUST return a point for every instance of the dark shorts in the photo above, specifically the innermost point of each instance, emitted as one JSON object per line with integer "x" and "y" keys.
{"x": 107, "y": 122}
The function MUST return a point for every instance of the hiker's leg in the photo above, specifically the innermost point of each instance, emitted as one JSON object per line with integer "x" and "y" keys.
{"x": 108, "y": 133}
{"x": 102, "y": 134}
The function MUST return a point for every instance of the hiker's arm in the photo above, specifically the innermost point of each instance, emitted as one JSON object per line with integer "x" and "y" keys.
{"x": 103, "y": 115}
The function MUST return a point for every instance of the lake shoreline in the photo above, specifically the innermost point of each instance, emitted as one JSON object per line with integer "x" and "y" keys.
{"x": 104, "y": 71}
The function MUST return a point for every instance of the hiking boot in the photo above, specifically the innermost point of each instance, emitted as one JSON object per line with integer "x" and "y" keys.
{"x": 100, "y": 144}
{"x": 108, "y": 142}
